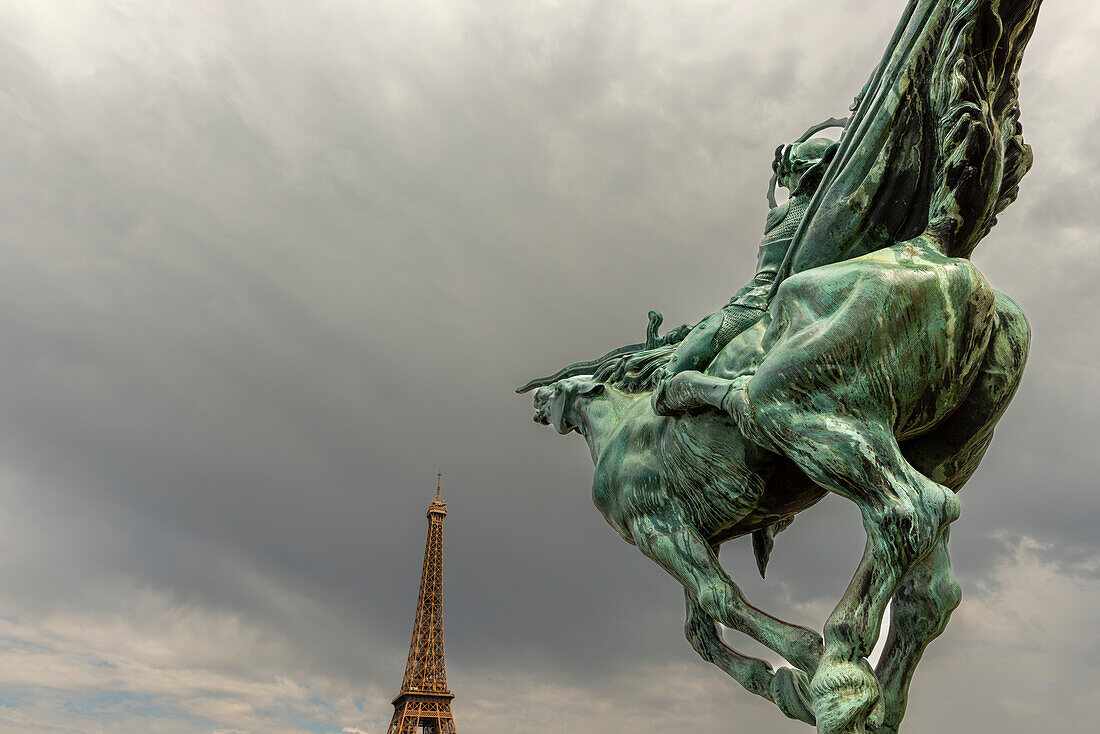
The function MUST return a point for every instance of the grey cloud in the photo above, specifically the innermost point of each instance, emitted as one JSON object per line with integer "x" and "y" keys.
{"x": 268, "y": 269}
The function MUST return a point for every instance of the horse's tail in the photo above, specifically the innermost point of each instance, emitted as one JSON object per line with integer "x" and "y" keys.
{"x": 951, "y": 452}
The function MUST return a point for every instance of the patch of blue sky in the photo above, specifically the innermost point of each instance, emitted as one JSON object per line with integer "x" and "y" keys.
{"x": 18, "y": 643}
{"x": 103, "y": 704}
{"x": 12, "y": 697}
{"x": 318, "y": 701}
{"x": 306, "y": 722}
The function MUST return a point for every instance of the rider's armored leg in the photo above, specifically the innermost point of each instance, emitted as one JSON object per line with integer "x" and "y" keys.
{"x": 710, "y": 336}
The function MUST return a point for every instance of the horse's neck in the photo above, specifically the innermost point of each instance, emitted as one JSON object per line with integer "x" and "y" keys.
{"x": 601, "y": 417}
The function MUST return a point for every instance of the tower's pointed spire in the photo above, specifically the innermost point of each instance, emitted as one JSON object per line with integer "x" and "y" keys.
{"x": 425, "y": 701}
{"x": 437, "y": 505}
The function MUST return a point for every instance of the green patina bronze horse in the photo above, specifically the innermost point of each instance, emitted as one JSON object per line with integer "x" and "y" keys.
{"x": 877, "y": 371}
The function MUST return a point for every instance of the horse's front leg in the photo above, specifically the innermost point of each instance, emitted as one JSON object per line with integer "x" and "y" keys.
{"x": 677, "y": 547}
{"x": 921, "y": 609}
{"x": 786, "y": 688}
{"x": 690, "y": 390}
{"x": 706, "y": 639}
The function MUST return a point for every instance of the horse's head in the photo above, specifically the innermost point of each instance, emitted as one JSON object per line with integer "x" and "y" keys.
{"x": 562, "y": 403}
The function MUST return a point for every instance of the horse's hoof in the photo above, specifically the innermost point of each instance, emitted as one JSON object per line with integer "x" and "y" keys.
{"x": 677, "y": 394}
{"x": 845, "y": 696}
{"x": 660, "y": 401}
{"x": 790, "y": 689}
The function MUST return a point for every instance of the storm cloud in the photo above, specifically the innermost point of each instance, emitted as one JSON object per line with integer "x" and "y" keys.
{"x": 268, "y": 267}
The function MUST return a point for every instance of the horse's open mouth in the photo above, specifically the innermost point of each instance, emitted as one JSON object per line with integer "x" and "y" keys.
{"x": 542, "y": 406}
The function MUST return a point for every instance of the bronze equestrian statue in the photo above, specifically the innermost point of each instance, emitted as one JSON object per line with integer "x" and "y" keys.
{"x": 868, "y": 357}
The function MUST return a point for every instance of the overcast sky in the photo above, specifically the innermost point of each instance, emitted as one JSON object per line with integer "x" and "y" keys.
{"x": 267, "y": 267}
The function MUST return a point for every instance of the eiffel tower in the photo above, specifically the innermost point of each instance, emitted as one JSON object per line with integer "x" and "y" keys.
{"x": 424, "y": 704}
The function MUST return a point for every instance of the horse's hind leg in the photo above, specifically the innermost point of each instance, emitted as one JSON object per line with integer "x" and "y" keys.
{"x": 903, "y": 513}
{"x": 920, "y": 612}
{"x": 679, "y": 549}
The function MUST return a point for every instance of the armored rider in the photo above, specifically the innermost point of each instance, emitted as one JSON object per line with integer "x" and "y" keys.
{"x": 799, "y": 169}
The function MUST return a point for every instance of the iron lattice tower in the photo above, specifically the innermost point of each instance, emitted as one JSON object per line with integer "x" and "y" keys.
{"x": 424, "y": 700}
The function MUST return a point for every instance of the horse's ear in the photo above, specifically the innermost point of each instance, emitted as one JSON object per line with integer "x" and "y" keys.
{"x": 596, "y": 389}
